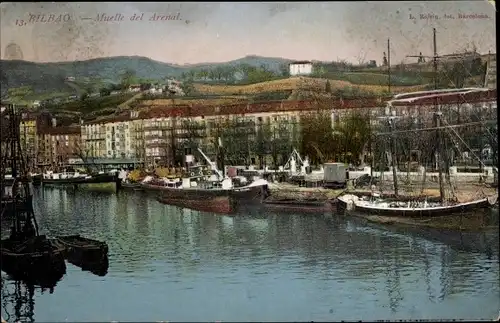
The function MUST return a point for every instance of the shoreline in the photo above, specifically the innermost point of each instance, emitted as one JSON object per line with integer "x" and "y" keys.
{"x": 465, "y": 194}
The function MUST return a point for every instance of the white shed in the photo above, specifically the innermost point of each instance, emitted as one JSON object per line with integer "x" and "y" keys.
{"x": 300, "y": 68}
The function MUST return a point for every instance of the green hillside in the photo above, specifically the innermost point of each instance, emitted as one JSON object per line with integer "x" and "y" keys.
{"x": 50, "y": 77}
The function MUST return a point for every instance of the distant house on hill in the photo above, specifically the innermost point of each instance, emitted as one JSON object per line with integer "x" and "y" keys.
{"x": 70, "y": 79}
{"x": 300, "y": 68}
{"x": 134, "y": 88}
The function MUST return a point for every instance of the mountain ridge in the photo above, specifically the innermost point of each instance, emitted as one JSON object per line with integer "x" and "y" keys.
{"x": 50, "y": 76}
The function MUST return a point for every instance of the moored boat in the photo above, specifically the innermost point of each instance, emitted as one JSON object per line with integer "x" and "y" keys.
{"x": 98, "y": 266}
{"x": 218, "y": 204}
{"x": 77, "y": 178}
{"x": 130, "y": 185}
{"x": 37, "y": 260}
{"x": 303, "y": 205}
{"x": 255, "y": 191}
{"x": 83, "y": 248}
{"x": 410, "y": 209}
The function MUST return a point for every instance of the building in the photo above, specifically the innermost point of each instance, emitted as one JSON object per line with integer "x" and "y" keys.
{"x": 93, "y": 140}
{"x": 31, "y": 127}
{"x": 114, "y": 137}
{"x": 60, "y": 145}
{"x": 134, "y": 88}
{"x": 300, "y": 68}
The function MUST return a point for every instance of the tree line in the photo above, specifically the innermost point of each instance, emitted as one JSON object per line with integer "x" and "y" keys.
{"x": 351, "y": 139}
{"x": 269, "y": 142}
{"x": 241, "y": 73}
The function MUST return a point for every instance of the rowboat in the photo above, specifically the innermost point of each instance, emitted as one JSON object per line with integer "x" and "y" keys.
{"x": 82, "y": 248}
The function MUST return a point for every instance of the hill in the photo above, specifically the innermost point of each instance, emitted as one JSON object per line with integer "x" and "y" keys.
{"x": 294, "y": 88}
{"x": 50, "y": 77}
{"x": 296, "y": 83}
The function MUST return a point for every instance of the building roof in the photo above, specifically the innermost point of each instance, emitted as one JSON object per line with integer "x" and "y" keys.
{"x": 300, "y": 62}
{"x": 267, "y": 107}
{"x": 458, "y": 96}
{"x": 68, "y": 130}
{"x": 185, "y": 110}
{"x": 110, "y": 119}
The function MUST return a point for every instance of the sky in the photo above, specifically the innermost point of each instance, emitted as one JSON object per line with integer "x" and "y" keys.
{"x": 218, "y": 32}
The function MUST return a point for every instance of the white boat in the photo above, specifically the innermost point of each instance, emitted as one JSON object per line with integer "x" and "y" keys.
{"x": 411, "y": 208}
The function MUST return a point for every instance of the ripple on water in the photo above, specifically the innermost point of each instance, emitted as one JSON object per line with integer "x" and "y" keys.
{"x": 167, "y": 262}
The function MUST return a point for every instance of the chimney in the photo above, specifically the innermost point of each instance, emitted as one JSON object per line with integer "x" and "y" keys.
{"x": 54, "y": 122}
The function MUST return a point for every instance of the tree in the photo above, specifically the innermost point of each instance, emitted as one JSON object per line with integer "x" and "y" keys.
{"x": 84, "y": 96}
{"x": 263, "y": 141}
{"x": 127, "y": 78}
{"x": 188, "y": 87}
{"x": 328, "y": 87}
{"x": 19, "y": 94}
{"x": 237, "y": 134}
{"x": 355, "y": 132}
{"x": 105, "y": 91}
{"x": 281, "y": 145}
{"x": 284, "y": 70}
{"x": 317, "y": 136}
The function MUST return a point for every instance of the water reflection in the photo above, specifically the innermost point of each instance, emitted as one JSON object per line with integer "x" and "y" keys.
{"x": 237, "y": 267}
{"x": 18, "y": 304}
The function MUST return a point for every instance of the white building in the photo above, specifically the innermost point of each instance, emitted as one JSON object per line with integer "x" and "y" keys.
{"x": 118, "y": 140}
{"x": 300, "y": 68}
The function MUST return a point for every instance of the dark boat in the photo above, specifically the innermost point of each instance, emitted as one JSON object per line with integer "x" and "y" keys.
{"x": 132, "y": 186}
{"x": 218, "y": 204}
{"x": 99, "y": 178}
{"x": 36, "y": 179}
{"x": 7, "y": 207}
{"x": 256, "y": 191}
{"x": 98, "y": 267}
{"x": 83, "y": 248}
{"x": 36, "y": 260}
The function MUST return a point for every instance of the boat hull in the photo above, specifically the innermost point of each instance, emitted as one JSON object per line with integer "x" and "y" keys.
{"x": 103, "y": 178}
{"x": 424, "y": 212}
{"x": 42, "y": 264}
{"x": 300, "y": 206}
{"x": 255, "y": 193}
{"x": 131, "y": 186}
{"x": 83, "y": 248}
{"x": 219, "y": 204}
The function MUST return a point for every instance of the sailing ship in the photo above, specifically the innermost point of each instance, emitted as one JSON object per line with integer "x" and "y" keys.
{"x": 424, "y": 207}
{"x": 435, "y": 99}
{"x": 24, "y": 254}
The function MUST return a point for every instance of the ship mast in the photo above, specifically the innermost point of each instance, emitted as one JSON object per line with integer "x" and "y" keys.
{"x": 24, "y": 223}
{"x": 438, "y": 114}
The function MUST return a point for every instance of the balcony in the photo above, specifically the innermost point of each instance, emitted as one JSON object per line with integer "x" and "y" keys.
{"x": 156, "y": 127}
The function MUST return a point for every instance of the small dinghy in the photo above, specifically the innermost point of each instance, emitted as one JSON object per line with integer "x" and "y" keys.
{"x": 83, "y": 248}
{"x": 97, "y": 267}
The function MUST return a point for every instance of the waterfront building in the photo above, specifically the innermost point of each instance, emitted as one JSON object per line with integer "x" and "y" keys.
{"x": 60, "y": 144}
{"x": 31, "y": 127}
{"x": 163, "y": 135}
{"x": 93, "y": 139}
{"x": 113, "y": 137}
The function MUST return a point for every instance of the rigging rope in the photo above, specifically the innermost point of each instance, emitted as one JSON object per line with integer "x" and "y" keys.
{"x": 460, "y": 138}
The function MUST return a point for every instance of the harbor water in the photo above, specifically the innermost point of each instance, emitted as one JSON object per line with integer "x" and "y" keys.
{"x": 172, "y": 264}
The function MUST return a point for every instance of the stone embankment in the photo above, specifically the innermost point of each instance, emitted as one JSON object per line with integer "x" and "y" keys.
{"x": 464, "y": 193}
